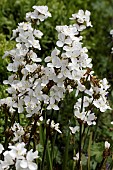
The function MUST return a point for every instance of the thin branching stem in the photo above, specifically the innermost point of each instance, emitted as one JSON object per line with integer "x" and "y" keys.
{"x": 80, "y": 134}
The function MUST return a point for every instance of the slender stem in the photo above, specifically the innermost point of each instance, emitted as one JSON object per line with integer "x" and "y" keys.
{"x": 89, "y": 150}
{"x": 95, "y": 132}
{"x": 101, "y": 164}
{"x": 86, "y": 137}
{"x": 5, "y": 127}
{"x": 66, "y": 151}
{"x": 54, "y": 138}
{"x": 47, "y": 137}
{"x": 34, "y": 145}
{"x": 43, "y": 157}
{"x": 52, "y": 147}
{"x": 80, "y": 134}
{"x": 74, "y": 163}
{"x": 13, "y": 118}
{"x": 32, "y": 132}
{"x": 80, "y": 144}
{"x": 82, "y": 102}
{"x": 18, "y": 117}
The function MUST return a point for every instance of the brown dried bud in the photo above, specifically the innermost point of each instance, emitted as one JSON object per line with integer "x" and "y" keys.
{"x": 25, "y": 137}
{"x": 95, "y": 81}
{"x": 106, "y": 153}
{"x": 8, "y": 132}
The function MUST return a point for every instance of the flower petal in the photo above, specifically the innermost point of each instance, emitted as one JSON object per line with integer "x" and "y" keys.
{"x": 23, "y": 164}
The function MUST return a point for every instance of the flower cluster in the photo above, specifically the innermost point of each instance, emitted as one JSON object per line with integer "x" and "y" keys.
{"x": 34, "y": 87}
{"x": 39, "y": 14}
{"x": 53, "y": 125}
{"x": 33, "y": 84}
{"x": 17, "y": 156}
{"x": 26, "y": 84}
{"x": 95, "y": 96}
{"x": 18, "y": 132}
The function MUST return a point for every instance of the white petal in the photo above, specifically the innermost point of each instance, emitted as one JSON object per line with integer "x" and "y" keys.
{"x": 55, "y": 107}
{"x": 47, "y": 59}
{"x": 111, "y": 32}
{"x": 32, "y": 166}
{"x": 59, "y": 43}
{"x": 1, "y": 148}
{"x": 107, "y": 144}
{"x": 23, "y": 164}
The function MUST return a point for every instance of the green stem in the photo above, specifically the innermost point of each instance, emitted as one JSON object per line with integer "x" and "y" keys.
{"x": 89, "y": 151}
{"x": 18, "y": 118}
{"x": 43, "y": 157}
{"x": 47, "y": 137}
{"x": 66, "y": 151}
{"x": 101, "y": 164}
{"x": 52, "y": 147}
{"x": 86, "y": 137}
{"x": 49, "y": 156}
{"x": 54, "y": 139}
{"x": 95, "y": 132}
{"x": 80, "y": 134}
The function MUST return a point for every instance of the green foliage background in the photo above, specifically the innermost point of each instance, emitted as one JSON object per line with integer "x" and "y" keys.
{"x": 97, "y": 39}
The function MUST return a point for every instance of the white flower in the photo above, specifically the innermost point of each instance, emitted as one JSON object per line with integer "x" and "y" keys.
{"x": 87, "y": 18}
{"x": 82, "y": 16}
{"x": 111, "y": 32}
{"x": 18, "y": 132}
{"x": 79, "y": 16}
{"x": 90, "y": 118}
{"x": 74, "y": 129}
{"x": 40, "y": 13}
{"x": 79, "y": 115}
{"x": 86, "y": 102}
{"x": 81, "y": 87}
{"x": 17, "y": 151}
{"x": 34, "y": 43}
{"x": 76, "y": 158}
{"x": 13, "y": 66}
{"x": 42, "y": 10}
{"x": 53, "y": 106}
{"x": 8, "y": 160}
{"x": 31, "y": 68}
{"x": 104, "y": 84}
{"x": 37, "y": 33}
{"x": 34, "y": 57}
{"x": 101, "y": 104}
{"x": 28, "y": 162}
{"x": 63, "y": 40}
{"x": 107, "y": 145}
{"x": 54, "y": 126}
{"x": 68, "y": 31}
